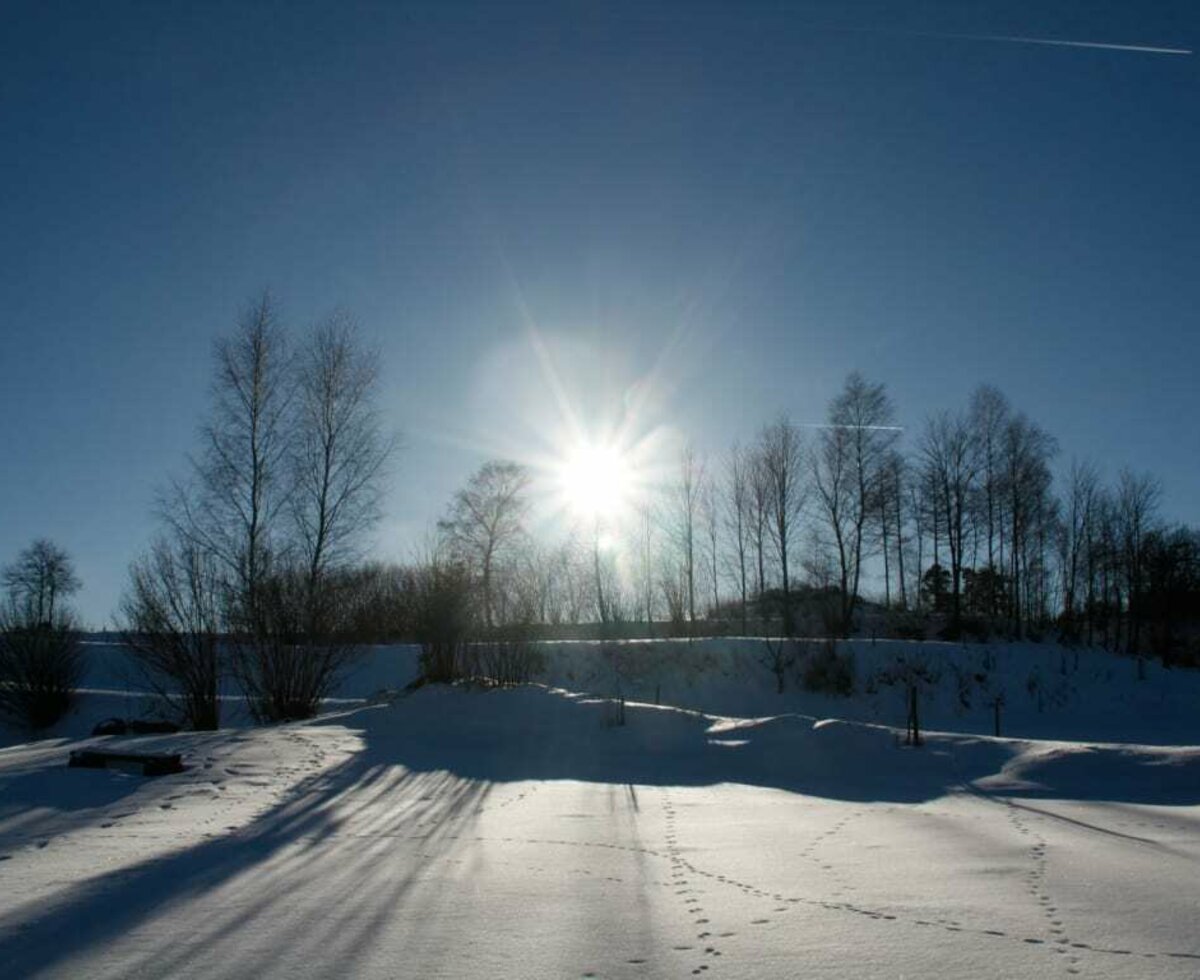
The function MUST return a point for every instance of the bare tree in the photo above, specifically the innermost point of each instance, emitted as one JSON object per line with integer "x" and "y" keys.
{"x": 339, "y": 450}
{"x": 710, "y": 518}
{"x": 41, "y": 663}
{"x": 760, "y": 500}
{"x": 537, "y": 584}
{"x": 1076, "y": 530}
{"x": 574, "y": 579}
{"x": 240, "y": 483}
{"x": 172, "y": 619}
{"x": 848, "y": 471}
{"x": 739, "y": 519}
{"x": 683, "y": 512}
{"x": 645, "y": 562}
{"x": 1137, "y": 504}
{"x": 917, "y": 511}
{"x": 782, "y": 457}
{"x": 606, "y": 581}
{"x": 486, "y": 519}
{"x": 989, "y": 416}
{"x": 601, "y": 578}
{"x": 779, "y": 655}
{"x": 42, "y": 574}
{"x": 949, "y": 460}
{"x": 1026, "y": 452}
{"x": 672, "y": 581}
{"x": 911, "y": 671}
{"x": 891, "y": 523}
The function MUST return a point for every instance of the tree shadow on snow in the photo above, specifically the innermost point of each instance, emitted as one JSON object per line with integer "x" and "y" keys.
{"x": 328, "y": 837}
{"x": 534, "y": 733}
{"x": 420, "y": 780}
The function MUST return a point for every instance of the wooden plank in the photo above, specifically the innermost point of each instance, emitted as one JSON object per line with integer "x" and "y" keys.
{"x": 150, "y": 763}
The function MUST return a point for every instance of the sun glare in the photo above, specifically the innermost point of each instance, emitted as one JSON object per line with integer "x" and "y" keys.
{"x": 596, "y": 481}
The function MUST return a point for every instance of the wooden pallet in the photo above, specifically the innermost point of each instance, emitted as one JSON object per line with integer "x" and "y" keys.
{"x": 147, "y": 763}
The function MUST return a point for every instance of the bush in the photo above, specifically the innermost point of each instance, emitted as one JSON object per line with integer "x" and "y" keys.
{"x": 778, "y": 656}
{"x": 828, "y": 672}
{"x": 289, "y": 661}
{"x": 41, "y": 665}
{"x": 505, "y": 661}
{"x": 906, "y": 626}
{"x": 444, "y": 620}
{"x": 172, "y": 615}
{"x": 976, "y": 628}
{"x": 912, "y": 672}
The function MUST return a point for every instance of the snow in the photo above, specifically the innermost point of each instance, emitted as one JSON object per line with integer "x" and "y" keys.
{"x": 727, "y": 832}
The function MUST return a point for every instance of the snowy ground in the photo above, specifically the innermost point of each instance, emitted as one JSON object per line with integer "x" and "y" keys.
{"x": 460, "y": 833}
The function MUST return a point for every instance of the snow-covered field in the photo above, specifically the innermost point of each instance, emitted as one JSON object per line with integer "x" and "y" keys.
{"x": 728, "y": 832}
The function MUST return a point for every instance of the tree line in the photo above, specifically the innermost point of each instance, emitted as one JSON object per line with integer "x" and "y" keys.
{"x": 258, "y": 578}
{"x": 840, "y": 527}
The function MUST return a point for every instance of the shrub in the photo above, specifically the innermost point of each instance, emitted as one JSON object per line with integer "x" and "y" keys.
{"x": 828, "y": 672}
{"x": 41, "y": 665}
{"x": 506, "y": 660}
{"x": 906, "y": 626}
{"x": 912, "y": 672}
{"x": 443, "y": 621}
{"x": 290, "y": 659}
{"x": 975, "y": 628}
{"x": 172, "y": 615}
{"x": 778, "y": 656}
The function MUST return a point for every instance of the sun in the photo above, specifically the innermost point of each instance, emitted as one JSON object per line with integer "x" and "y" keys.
{"x": 596, "y": 481}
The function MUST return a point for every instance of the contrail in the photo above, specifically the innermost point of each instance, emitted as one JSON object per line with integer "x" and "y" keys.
{"x": 1055, "y": 42}
{"x": 871, "y": 428}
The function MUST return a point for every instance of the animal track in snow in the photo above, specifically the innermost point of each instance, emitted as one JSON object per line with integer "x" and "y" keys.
{"x": 683, "y": 886}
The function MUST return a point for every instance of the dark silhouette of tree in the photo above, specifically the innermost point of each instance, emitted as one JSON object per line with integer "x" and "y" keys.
{"x": 782, "y": 459}
{"x": 1075, "y": 534}
{"x": 948, "y": 458}
{"x": 683, "y": 514}
{"x": 739, "y": 520}
{"x": 1026, "y": 451}
{"x": 41, "y": 664}
{"x": 485, "y": 521}
{"x": 240, "y": 482}
{"x": 42, "y": 575}
{"x": 1137, "y": 505}
{"x": 41, "y": 661}
{"x": 172, "y": 620}
{"x": 911, "y": 672}
{"x": 338, "y": 452}
{"x": 849, "y": 467}
{"x": 988, "y": 417}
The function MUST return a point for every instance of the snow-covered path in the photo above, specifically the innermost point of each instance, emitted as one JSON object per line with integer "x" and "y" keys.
{"x": 441, "y": 838}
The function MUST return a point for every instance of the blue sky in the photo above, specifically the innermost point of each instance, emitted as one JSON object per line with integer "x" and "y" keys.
{"x": 723, "y": 207}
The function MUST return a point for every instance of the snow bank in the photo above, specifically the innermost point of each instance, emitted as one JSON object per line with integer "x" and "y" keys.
{"x": 1049, "y": 692}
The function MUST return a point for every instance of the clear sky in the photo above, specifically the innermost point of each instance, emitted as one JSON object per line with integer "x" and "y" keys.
{"x": 710, "y": 211}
